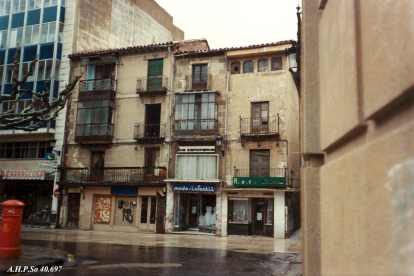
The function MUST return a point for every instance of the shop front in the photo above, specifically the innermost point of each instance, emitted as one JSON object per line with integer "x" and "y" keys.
{"x": 255, "y": 206}
{"x": 34, "y": 188}
{"x": 125, "y": 209}
{"x": 194, "y": 207}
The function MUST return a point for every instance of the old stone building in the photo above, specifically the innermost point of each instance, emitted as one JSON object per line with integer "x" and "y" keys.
{"x": 118, "y": 138}
{"x": 357, "y": 100}
{"x": 52, "y": 29}
{"x": 235, "y": 152}
{"x": 261, "y": 195}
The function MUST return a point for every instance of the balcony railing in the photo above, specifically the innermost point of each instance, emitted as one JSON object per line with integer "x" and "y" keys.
{"x": 195, "y": 127}
{"x": 155, "y": 84}
{"x": 274, "y": 172}
{"x": 109, "y": 176}
{"x": 195, "y": 83}
{"x": 259, "y": 126}
{"x": 150, "y": 132}
{"x": 94, "y": 132}
{"x": 97, "y": 85}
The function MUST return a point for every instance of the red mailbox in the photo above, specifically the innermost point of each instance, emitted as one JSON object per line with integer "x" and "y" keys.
{"x": 11, "y": 223}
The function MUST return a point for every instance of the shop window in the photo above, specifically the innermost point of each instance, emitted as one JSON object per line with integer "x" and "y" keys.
{"x": 235, "y": 68}
{"x": 196, "y": 112}
{"x": 263, "y": 65}
{"x": 196, "y": 167}
{"x": 239, "y": 210}
{"x": 269, "y": 210}
{"x": 248, "y": 67}
{"x": 276, "y": 63}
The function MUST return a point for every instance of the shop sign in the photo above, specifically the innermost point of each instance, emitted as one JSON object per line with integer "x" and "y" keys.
{"x": 24, "y": 174}
{"x": 194, "y": 188}
{"x": 124, "y": 190}
{"x": 191, "y": 149}
{"x": 259, "y": 182}
{"x": 45, "y": 164}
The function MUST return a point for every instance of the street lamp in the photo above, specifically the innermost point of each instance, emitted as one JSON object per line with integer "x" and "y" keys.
{"x": 52, "y": 144}
{"x": 219, "y": 142}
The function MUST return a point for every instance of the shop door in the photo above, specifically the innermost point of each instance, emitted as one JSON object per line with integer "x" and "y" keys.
{"x": 148, "y": 213}
{"x": 160, "y": 214}
{"x": 259, "y": 216}
{"x": 194, "y": 211}
{"x": 73, "y": 210}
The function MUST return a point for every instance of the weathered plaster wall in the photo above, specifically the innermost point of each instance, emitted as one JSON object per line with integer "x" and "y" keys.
{"x": 362, "y": 196}
{"x": 120, "y": 23}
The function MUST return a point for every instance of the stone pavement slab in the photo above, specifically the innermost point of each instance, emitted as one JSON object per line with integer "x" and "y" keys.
{"x": 34, "y": 256}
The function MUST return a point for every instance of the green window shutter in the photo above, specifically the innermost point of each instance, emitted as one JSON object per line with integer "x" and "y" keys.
{"x": 155, "y": 67}
{"x": 155, "y": 74}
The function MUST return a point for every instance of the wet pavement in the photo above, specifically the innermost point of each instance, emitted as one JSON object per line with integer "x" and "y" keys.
{"x": 113, "y": 253}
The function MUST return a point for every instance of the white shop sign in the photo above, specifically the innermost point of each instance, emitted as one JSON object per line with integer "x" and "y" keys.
{"x": 24, "y": 174}
{"x": 204, "y": 149}
{"x": 45, "y": 164}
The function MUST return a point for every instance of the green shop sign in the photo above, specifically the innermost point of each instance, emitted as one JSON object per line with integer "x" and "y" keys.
{"x": 259, "y": 182}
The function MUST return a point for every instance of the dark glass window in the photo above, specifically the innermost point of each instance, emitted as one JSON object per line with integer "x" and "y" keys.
{"x": 276, "y": 63}
{"x": 248, "y": 67}
{"x": 19, "y": 150}
{"x": 153, "y": 209}
{"x": 235, "y": 68}
{"x": 263, "y": 66}
{"x": 144, "y": 209}
{"x": 95, "y": 118}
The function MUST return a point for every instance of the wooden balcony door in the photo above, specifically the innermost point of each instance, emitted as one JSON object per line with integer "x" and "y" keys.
{"x": 260, "y": 117}
{"x": 97, "y": 166}
{"x": 199, "y": 77}
{"x": 151, "y": 158}
{"x": 259, "y": 163}
{"x": 152, "y": 120}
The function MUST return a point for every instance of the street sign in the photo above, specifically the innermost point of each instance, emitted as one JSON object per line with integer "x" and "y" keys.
{"x": 56, "y": 193}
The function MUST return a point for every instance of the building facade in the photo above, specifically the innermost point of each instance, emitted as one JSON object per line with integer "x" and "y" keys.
{"x": 118, "y": 139}
{"x": 236, "y": 143}
{"x": 357, "y": 138}
{"x": 50, "y": 30}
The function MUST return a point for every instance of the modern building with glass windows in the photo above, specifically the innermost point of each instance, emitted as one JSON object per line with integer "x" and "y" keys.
{"x": 50, "y": 30}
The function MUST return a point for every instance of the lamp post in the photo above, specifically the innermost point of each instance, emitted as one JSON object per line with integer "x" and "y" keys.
{"x": 53, "y": 144}
{"x": 293, "y": 54}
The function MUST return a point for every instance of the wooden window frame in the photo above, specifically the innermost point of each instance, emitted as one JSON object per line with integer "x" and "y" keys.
{"x": 280, "y": 63}
{"x": 244, "y": 64}
{"x": 235, "y": 65}
{"x": 258, "y": 65}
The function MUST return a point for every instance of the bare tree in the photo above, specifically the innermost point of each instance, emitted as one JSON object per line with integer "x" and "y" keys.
{"x": 41, "y": 109}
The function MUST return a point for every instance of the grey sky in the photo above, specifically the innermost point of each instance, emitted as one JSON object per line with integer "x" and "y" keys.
{"x": 232, "y": 23}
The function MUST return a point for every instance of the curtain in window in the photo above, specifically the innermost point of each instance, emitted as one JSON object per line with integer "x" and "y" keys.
{"x": 196, "y": 167}
{"x": 90, "y": 76}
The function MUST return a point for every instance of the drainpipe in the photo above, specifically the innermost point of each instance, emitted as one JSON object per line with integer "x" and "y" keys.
{"x": 171, "y": 108}
{"x": 225, "y": 114}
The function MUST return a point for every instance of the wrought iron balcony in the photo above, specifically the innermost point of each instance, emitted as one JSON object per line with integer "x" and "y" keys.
{"x": 271, "y": 178}
{"x": 260, "y": 127}
{"x": 194, "y": 83}
{"x": 129, "y": 176}
{"x": 149, "y": 133}
{"x": 201, "y": 127}
{"x": 152, "y": 85}
{"x": 90, "y": 133}
{"x": 97, "y": 89}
